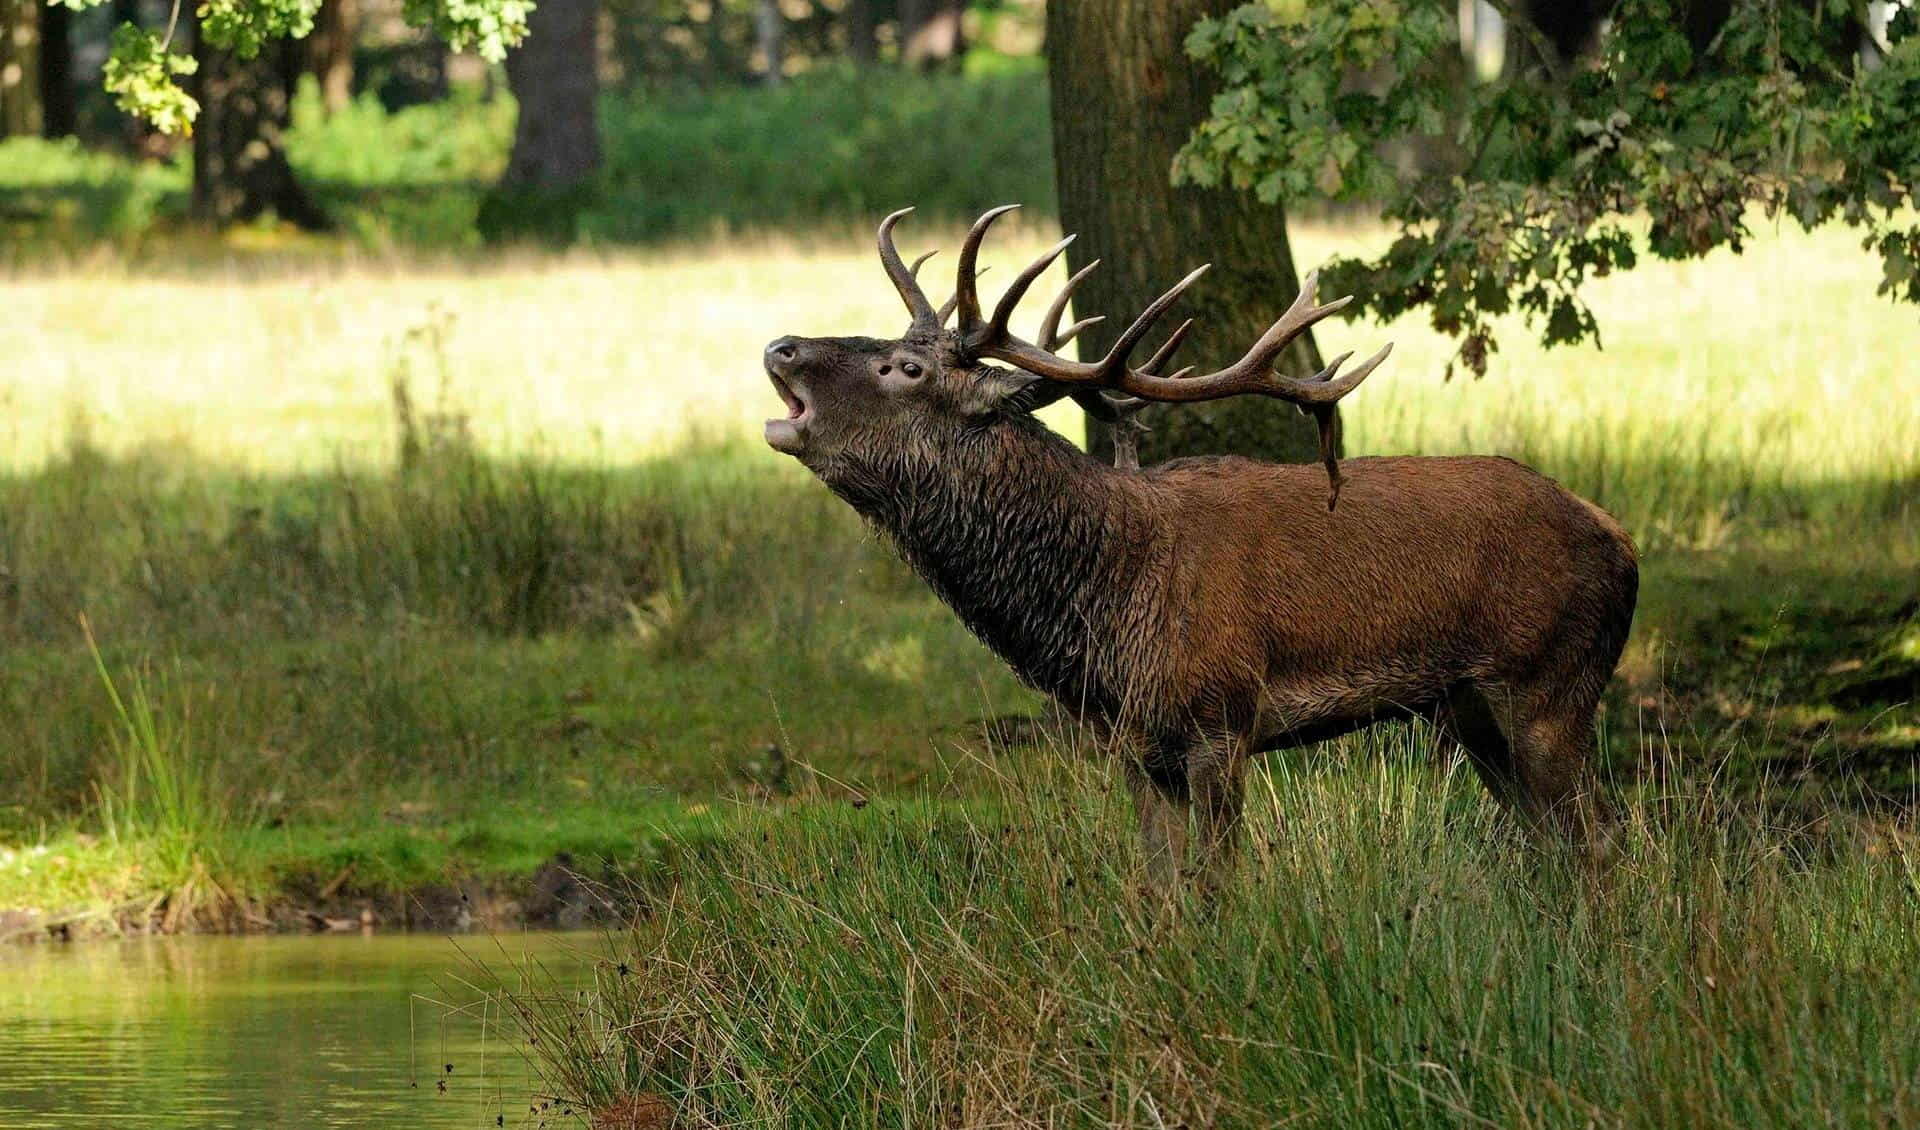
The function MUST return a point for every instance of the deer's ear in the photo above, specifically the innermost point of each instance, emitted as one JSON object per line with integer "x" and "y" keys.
{"x": 993, "y": 389}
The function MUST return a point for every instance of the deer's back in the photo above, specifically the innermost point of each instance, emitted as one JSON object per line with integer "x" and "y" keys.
{"x": 1430, "y": 570}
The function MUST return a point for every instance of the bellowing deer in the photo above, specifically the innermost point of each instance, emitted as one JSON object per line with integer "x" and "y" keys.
{"x": 1207, "y": 609}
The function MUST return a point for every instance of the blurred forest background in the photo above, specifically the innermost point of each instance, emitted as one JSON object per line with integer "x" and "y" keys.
{"x": 692, "y": 117}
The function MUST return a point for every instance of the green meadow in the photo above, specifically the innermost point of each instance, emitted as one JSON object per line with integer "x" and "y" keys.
{"x": 327, "y": 574}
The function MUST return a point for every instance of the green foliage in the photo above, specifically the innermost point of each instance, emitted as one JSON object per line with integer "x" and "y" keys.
{"x": 1545, "y": 175}
{"x": 411, "y": 176}
{"x": 840, "y": 144}
{"x": 826, "y": 147}
{"x": 245, "y": 26}
{"x": 140, "y": 73}
{"x": 459, "y": 140}
{"x": 141, "y": 68}
{"x": 56, "y": 188}
{"x": 484, "y": 27}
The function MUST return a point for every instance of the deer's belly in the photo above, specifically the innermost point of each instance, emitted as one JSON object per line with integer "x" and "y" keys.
{"x": 1292, "y": 715}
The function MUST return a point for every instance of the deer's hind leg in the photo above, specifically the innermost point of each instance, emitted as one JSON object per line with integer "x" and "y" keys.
{"x": 1467, "y": 718}
{"x": 1555, "y": 747}
{"x": 1546, "y": 731}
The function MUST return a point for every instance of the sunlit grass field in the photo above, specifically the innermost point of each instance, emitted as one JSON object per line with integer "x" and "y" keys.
{"x": 1781, "y": 361}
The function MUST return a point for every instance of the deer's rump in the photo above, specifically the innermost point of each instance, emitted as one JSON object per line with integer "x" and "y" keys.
{"x": 1431, "y": 572}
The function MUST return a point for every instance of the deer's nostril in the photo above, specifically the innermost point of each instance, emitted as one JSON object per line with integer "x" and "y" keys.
{"x": 785, "y": 351}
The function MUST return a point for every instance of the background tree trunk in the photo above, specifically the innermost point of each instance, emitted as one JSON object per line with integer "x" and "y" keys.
{"x": 1125, "y": 98}
{"x": 330, "y": 51}
{"x": 863, "y": 45}
{"x": 20, "y": 68}
{"x": 58, "y": 112}
{"x": 931, "y": 33}
{"x": 556, "y": 142}
{"x": 770, "y": 36}
{"x": 240, "y": 165}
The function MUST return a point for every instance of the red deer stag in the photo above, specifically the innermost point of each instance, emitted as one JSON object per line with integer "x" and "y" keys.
{"x": 1208, "y": 609}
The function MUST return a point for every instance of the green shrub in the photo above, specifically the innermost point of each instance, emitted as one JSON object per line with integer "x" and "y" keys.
{"x": 840, "y": 144}
{"x": 413, "y": 176}
{"x": 58, "y": 189}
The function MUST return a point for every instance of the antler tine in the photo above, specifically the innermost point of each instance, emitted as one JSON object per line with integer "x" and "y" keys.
{"x": 1110, "y": 371}
{"x": 1050, "y": 335}
{"x": 1073, "y": 331}
{"x": 915, "y": 269}
{"x": 903, "y": 280}
{"x": 1017, "y": 289}
{"x": 1116, "y": 359}
{"x": 1254, "y": 373}
{"x": 1166, "y": 351}
{"x": 1117, "y": 408}
{"x": 946, "y": 308}
{"x": 1126, "y": 425}
{"x": 965, "y": 293}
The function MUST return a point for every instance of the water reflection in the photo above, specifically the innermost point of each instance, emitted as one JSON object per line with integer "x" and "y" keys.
{"x": 328, "y": 1030}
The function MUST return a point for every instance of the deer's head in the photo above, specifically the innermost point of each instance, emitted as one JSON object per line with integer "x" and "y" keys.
{"x": 872, "y": 401}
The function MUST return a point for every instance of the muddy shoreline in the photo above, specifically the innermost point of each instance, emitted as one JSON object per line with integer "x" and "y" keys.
{"x": 558, "y": 895}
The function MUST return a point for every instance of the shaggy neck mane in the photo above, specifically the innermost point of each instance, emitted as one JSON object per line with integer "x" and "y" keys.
{"x": 1015, "y": 529}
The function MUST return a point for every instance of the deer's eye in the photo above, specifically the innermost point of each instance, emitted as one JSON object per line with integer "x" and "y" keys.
{"x": 909, "y": 368}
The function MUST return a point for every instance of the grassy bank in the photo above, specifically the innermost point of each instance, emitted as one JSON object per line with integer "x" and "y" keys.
{"x": 436, "y": 565}
{"x": 1390, "y": 957}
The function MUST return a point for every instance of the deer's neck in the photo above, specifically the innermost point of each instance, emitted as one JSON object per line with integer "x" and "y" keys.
{"x": 1032, "y": 542}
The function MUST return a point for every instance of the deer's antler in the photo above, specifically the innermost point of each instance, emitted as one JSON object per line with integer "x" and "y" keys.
{"x": 1252, "y": 374}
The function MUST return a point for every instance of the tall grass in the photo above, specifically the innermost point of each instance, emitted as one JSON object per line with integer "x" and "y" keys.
{"x": 1392, "y": 956}
{"x": 162, "y": 797}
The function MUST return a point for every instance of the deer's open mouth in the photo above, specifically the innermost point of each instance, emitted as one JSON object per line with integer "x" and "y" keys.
{"x": 784, "y": 434}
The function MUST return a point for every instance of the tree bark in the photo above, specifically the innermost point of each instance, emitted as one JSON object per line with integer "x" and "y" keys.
{"x": 330, "y": 51}
{"x": 863, "y": 44}
{"x": 20, "y": 68}
{"x": 770, "y": 36}
{"x": 240, "y": 168}
{"x": 556, "y": 142}
{"x": 58, "y": 110}
{"x": 1125, "y": 99}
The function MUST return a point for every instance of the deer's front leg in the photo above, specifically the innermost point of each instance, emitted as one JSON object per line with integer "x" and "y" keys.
{"x": 1162, "y": 817}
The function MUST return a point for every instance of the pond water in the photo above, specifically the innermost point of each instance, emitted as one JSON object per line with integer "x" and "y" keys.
{"x": 322, "y": 1030}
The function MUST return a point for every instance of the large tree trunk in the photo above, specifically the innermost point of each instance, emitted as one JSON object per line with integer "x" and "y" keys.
{"x": 1125, "y": 98}
{"x": 330, "y": 51}
{"x": 556, "y": 143}
{"x": 58, "y": 111}
{"x": 240, "y": 168}
{"x": 931, "y": 34}
{"x": 20, "y": 68}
